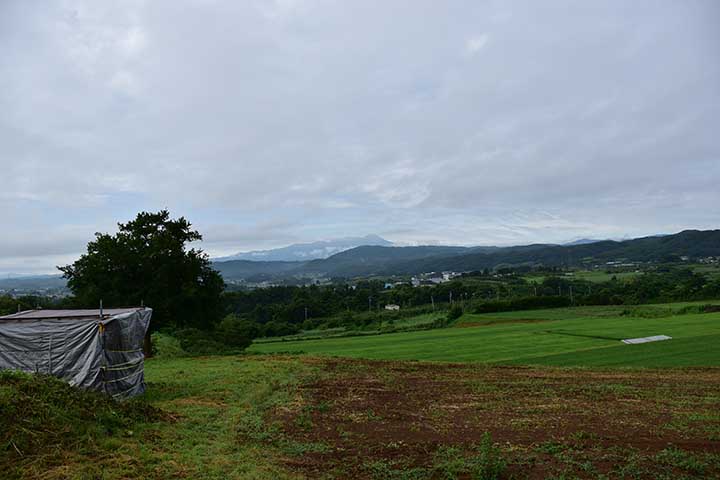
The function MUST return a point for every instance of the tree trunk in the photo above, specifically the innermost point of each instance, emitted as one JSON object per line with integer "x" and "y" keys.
{"x": 147, "y": 345}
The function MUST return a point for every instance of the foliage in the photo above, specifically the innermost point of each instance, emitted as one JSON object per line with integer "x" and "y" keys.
{"x": 454, "y": 313}
{"x": 194, "y": 341}
{"x": 289, "y": 310}
{"x": 165, "y": 345}
{"x": 147, "y": 261}
{"x": 487, "y": 464}
{"x": 523, "y": 303}
{"x": 9, "y": 305}
{"x": 232, "y": 335}
{"x": 237, "y": 332}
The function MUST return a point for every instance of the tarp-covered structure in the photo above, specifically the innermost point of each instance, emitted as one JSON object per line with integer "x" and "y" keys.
{"x": 94, "y": 349}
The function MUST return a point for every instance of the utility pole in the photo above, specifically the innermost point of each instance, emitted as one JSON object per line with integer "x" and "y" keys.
{"x": 432, "y": 300}
{"x": 369, "y": 304}
{"x": 451, "y": 297}
{"x": 306, "y": 314}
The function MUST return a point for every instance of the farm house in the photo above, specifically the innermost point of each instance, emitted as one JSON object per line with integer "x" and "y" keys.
{"x": 94, "y": 349}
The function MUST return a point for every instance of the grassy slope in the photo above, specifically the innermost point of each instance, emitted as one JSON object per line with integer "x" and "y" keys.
{"x": 212, "y": 396}
{"x": 43, "y": 418}
{"x": 214, "y": 427}
{"x": 408, "y": 323}
{"x": 569, "y": 337}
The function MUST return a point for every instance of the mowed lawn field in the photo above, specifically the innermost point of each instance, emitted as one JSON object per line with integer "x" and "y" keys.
{"x": 581, "y": 336}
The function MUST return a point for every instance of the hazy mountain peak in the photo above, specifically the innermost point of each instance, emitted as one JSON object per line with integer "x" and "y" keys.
{"x": 582, "y": 241}
{"x": 308, "y": 251}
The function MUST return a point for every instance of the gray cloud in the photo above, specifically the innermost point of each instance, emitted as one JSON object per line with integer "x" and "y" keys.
{"x": 272, "y": 122}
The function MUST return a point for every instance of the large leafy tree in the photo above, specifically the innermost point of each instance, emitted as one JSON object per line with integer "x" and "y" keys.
{"x": 148, "y": 260}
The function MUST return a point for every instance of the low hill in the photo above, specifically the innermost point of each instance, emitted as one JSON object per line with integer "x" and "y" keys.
{"x": 369, "y": 260}
{"x": 379, "y": 260}
{"x": 32, "y": 282}
{"x": 246, "y": 269}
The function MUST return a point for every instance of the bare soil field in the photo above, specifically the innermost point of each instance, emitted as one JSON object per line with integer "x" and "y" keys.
{"x": 378, "y": 419}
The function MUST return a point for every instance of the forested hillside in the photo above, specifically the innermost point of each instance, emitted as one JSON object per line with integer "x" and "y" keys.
{"x": 378, "y": 260}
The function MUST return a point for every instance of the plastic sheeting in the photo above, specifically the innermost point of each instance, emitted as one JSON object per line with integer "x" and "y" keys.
{"x": 654, "y": 338}
{"x": 87, "y": 351}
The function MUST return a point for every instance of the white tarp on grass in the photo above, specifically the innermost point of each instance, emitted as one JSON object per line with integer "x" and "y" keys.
{"x": 655, "y": 338}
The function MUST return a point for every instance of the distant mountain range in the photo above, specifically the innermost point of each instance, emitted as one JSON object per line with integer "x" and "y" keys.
{"x": 382, "y": 258}
{"x": 307, "y": 251}
{"x": 385, "y": 260}
{"x": 582, "y": 241}
{"x": 32, "y": 282}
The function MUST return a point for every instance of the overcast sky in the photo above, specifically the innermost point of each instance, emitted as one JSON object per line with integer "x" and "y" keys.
{"x": 267, "y": 123}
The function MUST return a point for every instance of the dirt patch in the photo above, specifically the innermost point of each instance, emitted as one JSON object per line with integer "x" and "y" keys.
{"x": 501, "y": 321}
{"x": 200, "y": 402}
{"x": 547, "y": 421}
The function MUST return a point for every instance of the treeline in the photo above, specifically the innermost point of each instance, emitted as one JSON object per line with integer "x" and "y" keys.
{"x": 665, "y": 285}
{"x": 9, "y": 305}
{"x": 287, "y": 310}
{"x": 279, "y": 311}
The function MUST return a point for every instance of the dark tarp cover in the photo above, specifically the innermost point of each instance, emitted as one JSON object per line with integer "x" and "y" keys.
{"x": 80, "y": 347}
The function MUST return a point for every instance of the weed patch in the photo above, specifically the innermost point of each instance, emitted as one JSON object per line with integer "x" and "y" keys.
{"x": 41, "y": 417}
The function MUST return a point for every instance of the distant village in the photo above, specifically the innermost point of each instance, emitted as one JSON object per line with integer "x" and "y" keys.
{"x": 420, "y": 280}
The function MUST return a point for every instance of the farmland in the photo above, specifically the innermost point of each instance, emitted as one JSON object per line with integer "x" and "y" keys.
{"x": 269, "y": 417}
{"x": 595, "y": 276}
{"x": 582, "y": 336}
{"x": 522, "y": 395}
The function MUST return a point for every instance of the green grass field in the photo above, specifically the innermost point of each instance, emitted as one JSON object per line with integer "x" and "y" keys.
{"x": 583, "y": 336}
{"x": 408, "y": 323}
{"x": 595, "y": 276}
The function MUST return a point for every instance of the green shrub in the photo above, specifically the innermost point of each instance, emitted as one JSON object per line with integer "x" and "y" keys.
{"x": 454, "y": 313}
{"x": 488, "y": 464}
{"x": 227, "y": 339}
{"x": 525, "y": 303}
{"x": 450, "y": 463}
{"x": 166, "y": 346}
{"x": 675, "y": 457}
{"x": 236, "y": 332}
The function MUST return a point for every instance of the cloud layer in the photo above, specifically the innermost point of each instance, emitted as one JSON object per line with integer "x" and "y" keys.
{"x": 427, "y": 122}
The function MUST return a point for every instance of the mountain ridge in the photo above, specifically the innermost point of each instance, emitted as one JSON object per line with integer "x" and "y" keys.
{"x": 307, "y": 251}
{"x": 379, "y": 260}
{"x": 371, "y": 260}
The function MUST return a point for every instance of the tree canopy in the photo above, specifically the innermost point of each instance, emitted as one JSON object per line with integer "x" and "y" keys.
{"x": 148, "y": 261}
